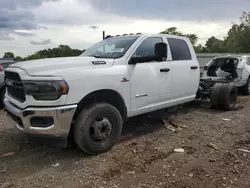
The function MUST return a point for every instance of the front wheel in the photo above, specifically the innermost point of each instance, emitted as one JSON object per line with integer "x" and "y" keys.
{"x": 97, "y": 128}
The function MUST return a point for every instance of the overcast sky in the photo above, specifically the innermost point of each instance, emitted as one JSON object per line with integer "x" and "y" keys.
{"x": 27, "y": 26}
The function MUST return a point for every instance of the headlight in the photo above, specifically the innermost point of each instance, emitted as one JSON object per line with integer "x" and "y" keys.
{"x": 46, "y": 90}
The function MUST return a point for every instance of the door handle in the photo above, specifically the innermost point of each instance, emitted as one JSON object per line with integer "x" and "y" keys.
{"x": 164, "y": 70}
{"x": 194, "y": 67}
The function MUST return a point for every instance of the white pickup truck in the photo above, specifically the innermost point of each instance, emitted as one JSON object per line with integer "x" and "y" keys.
{"x": 89, "y": 97}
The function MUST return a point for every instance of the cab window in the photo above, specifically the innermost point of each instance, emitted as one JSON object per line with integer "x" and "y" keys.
{"x": 147, "y": 47}
{"x": 179, "y": 49}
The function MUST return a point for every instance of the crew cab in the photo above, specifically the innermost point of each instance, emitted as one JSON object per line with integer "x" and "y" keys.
{"x": 90, "y": 96}
{"x": 232, "y": 68}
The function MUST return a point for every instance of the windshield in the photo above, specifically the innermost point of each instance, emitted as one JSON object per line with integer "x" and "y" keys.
{"x": 111, "y": 48}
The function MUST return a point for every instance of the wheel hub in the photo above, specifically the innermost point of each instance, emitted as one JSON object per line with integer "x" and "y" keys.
{"x": 101, "y": 129}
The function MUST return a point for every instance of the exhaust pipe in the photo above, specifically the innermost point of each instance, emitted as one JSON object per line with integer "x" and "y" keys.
{"x": 103, "y": 35}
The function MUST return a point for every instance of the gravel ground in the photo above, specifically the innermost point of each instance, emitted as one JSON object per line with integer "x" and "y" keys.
{"x": 216, "y": 154}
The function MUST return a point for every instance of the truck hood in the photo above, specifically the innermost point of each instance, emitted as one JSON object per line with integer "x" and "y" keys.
{"x": 47, "y": 67}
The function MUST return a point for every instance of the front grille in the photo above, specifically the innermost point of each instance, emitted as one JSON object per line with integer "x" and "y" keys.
{"x": 14, "y": 86}
{"x": 15, "y": 118}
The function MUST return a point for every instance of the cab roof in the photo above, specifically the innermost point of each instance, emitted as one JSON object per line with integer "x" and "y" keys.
{"x": 147, "y": 35}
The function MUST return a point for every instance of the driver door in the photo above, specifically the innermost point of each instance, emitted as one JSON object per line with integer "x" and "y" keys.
{"x": 150, "y": 81}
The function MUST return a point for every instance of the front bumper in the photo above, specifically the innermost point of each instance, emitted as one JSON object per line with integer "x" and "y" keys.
{"x": 60, "y": 119}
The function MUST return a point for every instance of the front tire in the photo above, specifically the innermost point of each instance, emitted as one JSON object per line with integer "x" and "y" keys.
{"x": 97, "y": 128}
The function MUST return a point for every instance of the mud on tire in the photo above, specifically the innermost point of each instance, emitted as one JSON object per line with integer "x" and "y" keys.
{"x": 97, "y": 128}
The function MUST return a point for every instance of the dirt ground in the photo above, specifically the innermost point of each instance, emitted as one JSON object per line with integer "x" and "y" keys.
{"x": 216, "y": 154}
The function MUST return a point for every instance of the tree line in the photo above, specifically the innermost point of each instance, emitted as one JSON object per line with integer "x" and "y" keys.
{"x": 237, "y": 40}
{"x": 60, "y": 51}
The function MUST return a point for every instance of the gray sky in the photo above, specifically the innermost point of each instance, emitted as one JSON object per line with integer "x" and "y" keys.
{"x": 27, "y": 26}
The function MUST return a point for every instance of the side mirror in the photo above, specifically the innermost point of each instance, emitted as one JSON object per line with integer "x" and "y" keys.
{"x": 161, "y": 50}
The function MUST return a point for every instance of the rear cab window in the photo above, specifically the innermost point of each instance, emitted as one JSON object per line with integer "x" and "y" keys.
{"x": 179, "y": 49}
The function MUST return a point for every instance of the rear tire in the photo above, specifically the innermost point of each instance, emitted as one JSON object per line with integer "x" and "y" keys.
{"x": 246, "y": 88}
{"x": 97, "y": 128}
{"x": 214, "y": 95}
{"x": 228, "y": 96}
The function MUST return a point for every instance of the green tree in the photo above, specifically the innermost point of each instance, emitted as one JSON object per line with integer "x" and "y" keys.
{"x": 173, "y": 31}
{"x": 199, "y": 49}
{"x": 8, "y": 55}
{"x": 245, "y": 18}
{"x": 18, "y": 58}
{"x": 238, "y": 36}
{"x": 34, "y": 56}
{"x": 214, "y": 45}
{"x": 60, "y": 51}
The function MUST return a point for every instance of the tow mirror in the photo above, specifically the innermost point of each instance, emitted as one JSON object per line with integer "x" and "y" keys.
{"x": 161, "y": 51}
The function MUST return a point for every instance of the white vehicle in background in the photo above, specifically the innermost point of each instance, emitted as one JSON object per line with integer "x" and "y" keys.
{"x": 235, "y": 69}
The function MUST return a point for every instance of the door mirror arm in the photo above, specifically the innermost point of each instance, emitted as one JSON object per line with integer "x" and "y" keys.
{"x": 135, "y": 60}
{"x": 132, "y": 61}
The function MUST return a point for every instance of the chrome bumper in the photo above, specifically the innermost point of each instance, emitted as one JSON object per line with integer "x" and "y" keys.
{"x": 62, "y": 118}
